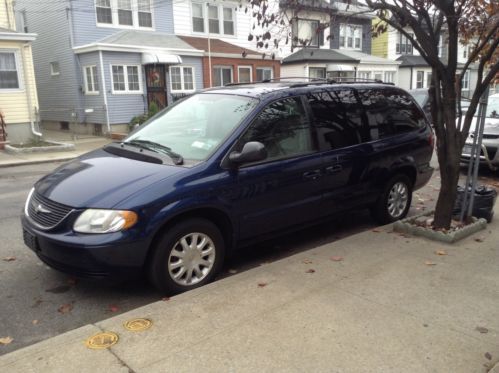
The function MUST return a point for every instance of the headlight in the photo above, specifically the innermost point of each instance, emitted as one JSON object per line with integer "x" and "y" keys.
{"x": 104, "y": 221}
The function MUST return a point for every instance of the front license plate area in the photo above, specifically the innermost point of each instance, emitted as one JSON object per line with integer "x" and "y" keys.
{"x": 467, "y": 149}
{"x": 30, "y": 240}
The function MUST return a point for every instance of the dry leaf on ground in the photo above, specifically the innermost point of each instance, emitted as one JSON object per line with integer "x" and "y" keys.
{"x": 6, "y": 340}
{"x": 165, "y": 299}
{"x": 479, "y": 239}
{"x": 9, "y": 258}
{"x": 428, "y": 263}
{"x": 34, "y": 322}
{"x": 232, "y": 271}
{"x": 65, "y": 308}
{"x": 481, "y": 329}
{"x": 375, "y": 230}
{"x": 488, "y": 356}
{"x": 262, "y": 284}
{"x": 307, "y": 261}
{"x": 72, "y": 281}
{"x": 441, "y": 252}
{"x": 113, "y": 308}
{"x": 310, "y": 270}
{"x": 336, "y": 258}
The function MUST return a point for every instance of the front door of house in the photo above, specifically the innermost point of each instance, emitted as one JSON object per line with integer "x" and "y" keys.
{"x": 156, "y": 85}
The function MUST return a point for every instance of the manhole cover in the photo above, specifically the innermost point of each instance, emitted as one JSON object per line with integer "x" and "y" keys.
{"x": 137, "y": 325}
{"x": 102, "y": 340}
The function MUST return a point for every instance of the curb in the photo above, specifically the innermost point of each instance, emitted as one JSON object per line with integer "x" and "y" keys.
{"x": 37, "y": 161}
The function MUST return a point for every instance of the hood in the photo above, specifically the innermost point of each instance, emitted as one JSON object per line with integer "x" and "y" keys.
{"x": 491, "y": 126}
{"x": 101, "y": 180}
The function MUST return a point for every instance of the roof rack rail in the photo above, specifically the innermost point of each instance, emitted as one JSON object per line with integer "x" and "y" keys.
{"x": 316, "y": 81}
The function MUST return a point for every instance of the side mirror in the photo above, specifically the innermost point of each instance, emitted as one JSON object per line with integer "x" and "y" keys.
{"x": 253, "y": 151}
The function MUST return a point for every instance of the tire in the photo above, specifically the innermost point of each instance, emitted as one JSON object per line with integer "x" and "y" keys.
{"x": 395, "y": 200}
{"x": 168, "y": 269}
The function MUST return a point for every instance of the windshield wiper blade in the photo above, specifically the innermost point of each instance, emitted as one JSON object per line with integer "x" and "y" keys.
{"x": 159, "y": 148}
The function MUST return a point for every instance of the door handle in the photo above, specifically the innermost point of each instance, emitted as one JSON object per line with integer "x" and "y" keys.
{"x": 334, "y": 169}
{"x": 312, "y": 175}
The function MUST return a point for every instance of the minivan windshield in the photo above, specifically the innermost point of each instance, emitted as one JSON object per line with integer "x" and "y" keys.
{"x": 492, "y": 107}
{"x": 193, "y": 128}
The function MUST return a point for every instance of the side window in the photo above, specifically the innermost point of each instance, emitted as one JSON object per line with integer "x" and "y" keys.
{"x": 283, "y": 128}
{"x": 390, "y": 112}
{"x": 337, "y": 118}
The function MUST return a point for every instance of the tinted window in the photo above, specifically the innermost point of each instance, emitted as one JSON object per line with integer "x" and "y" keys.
{"x": 337, "y": 118}
{"x": 283, "y": 128}
{"x": 390, "y": 112}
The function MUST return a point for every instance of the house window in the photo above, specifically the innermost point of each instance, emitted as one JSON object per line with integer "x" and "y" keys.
{"x": 317, "y": 72}
{"x": 419, "y": 79}
{"x": 124, "y": 13}
{"x": 228, "y": 21}
{"x": 55, "y": 68}
{"x": 91, "y": 80}
{"x": 378, "y": 75}
{"x": 389, "y": 77}
{"x": 182, "y": 78}
{"x": 126, "y": 79}
{"x": 264, "y": 73}
{"x": 306, "y": 32}
{"x": 350, "y": 36}
{"x": 213, "y": 23}
{"x": 364, "y": 75}
{"x": 145, "y": 13}
{"x": 428, "y": 80}
{"x": 9, "y": 77}
{"x": 104, "y": 12}
{"x": 222, "y": 76}
{"x": 197, "y": 17}
{"x": 244, "y": 73}
{"x": 404, "y": 45}
{"x": 465, "y": 84}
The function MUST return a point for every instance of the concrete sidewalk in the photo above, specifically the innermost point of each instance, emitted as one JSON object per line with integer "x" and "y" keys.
{"x": 373, "y": 302}
{"x": 83, "y": 144}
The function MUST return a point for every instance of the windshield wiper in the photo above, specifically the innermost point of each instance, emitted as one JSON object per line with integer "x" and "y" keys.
{"x": 158, "y": 148}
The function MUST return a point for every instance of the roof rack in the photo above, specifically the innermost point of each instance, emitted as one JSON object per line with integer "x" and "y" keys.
{"x": 316, "y": 81}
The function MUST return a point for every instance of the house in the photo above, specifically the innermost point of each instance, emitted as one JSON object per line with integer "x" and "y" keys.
{"x": 333, "y": 39}
{"x": 18, "y": 97}
{"x": 99, "y": 63}
{"x": 414, "y": 71}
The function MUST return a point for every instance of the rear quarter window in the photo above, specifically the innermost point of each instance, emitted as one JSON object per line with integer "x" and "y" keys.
{"x": 390, "y": 112}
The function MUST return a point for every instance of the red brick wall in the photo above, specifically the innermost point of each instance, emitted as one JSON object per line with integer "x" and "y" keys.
{"x": 234, "y": 63}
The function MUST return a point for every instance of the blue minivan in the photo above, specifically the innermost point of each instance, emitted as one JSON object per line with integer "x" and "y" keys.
{"x": 225, "y": 168}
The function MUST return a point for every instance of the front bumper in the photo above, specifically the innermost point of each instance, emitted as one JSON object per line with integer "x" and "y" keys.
{"x": 113, "y": 255}
{"x": 488, "y": 154}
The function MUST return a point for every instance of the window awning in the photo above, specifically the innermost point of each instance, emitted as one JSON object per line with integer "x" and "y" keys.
{"x": 338, "y": 67}
{"x": 160, "y": 57}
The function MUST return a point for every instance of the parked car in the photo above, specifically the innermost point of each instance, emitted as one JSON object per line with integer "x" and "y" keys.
{"x": 489, "y": 154}
{"x": 226, "y": 168}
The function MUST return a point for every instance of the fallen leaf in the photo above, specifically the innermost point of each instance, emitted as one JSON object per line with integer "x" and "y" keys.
{"x": 9, "y": 258}
{"x": 6, "y": 340}
{"x": 310, "y": 270}
{"x": 488, "y": 356}
{"x": 307, "y": 261}
{"x": 479, "y": 239}
{"x": 65, "y": 308}
{"x": 428, "y": 263}
{"x": 72, "y": 281}
{"x": 34, "y": 322}
{"x": 441, "y": 252}
{"x": 232, "y": 271}
{"x": 113, "y": 308}
{"x": 165, "y": 299}
{"x": 37, "y": 303}
{"x": 262, "y": 284}
{"x": 336, "y": 258}
{"x": 375, "y": 230}
{"x": 481, "y": 329}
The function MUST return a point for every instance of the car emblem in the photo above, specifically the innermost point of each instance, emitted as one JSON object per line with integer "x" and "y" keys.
{"x": 41, "y": 209}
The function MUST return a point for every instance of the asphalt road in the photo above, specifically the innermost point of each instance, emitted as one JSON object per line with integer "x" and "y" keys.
{"x": 32, "y": 294}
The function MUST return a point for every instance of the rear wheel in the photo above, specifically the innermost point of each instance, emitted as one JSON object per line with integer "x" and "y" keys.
{"x": 186, "y": 256}
{"x": 395, "y": 200}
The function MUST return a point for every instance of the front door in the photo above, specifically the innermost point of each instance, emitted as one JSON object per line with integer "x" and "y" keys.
{"x": 156, "y": 85}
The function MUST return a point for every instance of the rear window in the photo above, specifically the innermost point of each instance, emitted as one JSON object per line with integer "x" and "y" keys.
{"x": 390, "y": 112}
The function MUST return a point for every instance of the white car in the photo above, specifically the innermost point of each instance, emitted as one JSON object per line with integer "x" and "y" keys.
{"x": 490, "y": 143}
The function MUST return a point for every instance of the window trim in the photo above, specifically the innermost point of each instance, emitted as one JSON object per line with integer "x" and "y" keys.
{"x": 422, "y": 78}
{"x": 398, "y": 43}
{"x": 20, "y": 79}
{"x": 265, "y": 68}
{"x": 206, "y": 23}
{"x": 182, "y": 81}
{"x": 389, "y": 72}
{"x": 135, "y": 17}
{"x": 126, "y": 91}
{"x": 245, "y": 67}
{"x": 466, "y": 78}
{"x": 345, "y": 42}
{"x": 52, "y": 72}
{"x": 94, "y": 79}
{"x": 224, "y": 67}
{"x": 318, "y": 45}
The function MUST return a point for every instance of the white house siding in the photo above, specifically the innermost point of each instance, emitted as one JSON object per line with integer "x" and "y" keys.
{"x": 404, "y": 78}
{"x": 392, "y": 45}
{"x": 6, "y": 15}
{"x": 298, "y": 70}
{"x": 182, "y": 14}
{"x": 15, "y": 104}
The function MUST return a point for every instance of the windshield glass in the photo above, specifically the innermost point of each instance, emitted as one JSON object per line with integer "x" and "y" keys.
{"x": 420, "y": 97}
{"x": 492, "y": 107}
{"x": 195, "y": 127}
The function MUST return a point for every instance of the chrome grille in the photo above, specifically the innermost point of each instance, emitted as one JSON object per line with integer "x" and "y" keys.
{"x": 45, "y": 212}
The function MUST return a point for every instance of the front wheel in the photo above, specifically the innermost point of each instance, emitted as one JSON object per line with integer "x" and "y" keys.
{"x": 395, "y": 200}
{"x": 186, "y": 256}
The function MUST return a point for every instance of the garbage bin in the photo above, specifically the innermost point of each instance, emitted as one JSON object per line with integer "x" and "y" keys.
{"x": 483, "y": 203}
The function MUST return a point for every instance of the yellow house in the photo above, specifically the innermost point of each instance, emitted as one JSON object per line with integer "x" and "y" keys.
{"x": 18, "y": 97}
